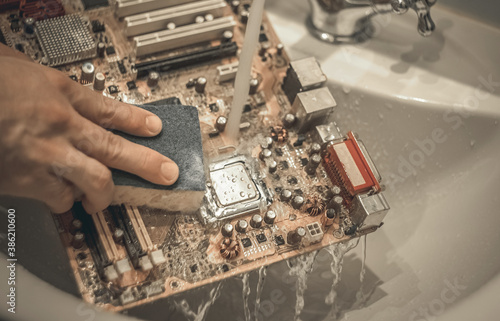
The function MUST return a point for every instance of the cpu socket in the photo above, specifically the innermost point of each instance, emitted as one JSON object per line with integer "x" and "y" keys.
{"x": 234, "y": 189}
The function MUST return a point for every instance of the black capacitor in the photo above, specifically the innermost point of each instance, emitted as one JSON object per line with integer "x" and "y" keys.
{"x": 289, "y": 120}
{"x": 241, "y": 226}
{"x": 315, "y": 149}
{"x": 298, "y": 202}
{"x": 264, "y": 47}
{"x": 351, "y": 229}
{"x": 256, "y": 221}
{"x": 273, "y": 166}
{"x": 200, "y": 85}
{"x": 266, "y": 143}
{"x": 227, "y": 36}
{"x": 227, "y": 230}
{"x": 270, "y": 217}
{"x": 279, "y": 48}
{"x": 29, "y": 27}
{"x": 153, "y": 79}
{"x": 244, "y": 16}
{"x": 336, "y": 203}
{"x": 254, "y": 85}
{"x": 235, "y": 4}
{"x": 220, "y": 123}
{"x": 99, "y": 81}
{"x": 75, "y": 226}
{"x": 101, "y": 49}
{"x": 313, "y": 164}
{"x": 285, "y": 195}
{"x": 265, "y": 153}
{"x": 78, "y": 240}
{"x": 295, "y": 237}
{"x": 118, "y": 235}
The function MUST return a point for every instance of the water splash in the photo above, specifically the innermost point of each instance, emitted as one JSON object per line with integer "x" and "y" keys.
{"x": 203, "y": 308}
{"x": 301, "y": 266}
{"x": 260, "y": 287}
{"x": 360, "y": 295}
{"x": 337, "y": 251}
{"x": 246, "y": 294}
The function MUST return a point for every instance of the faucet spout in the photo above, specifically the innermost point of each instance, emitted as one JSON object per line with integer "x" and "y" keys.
{"x": 349, "y": 21}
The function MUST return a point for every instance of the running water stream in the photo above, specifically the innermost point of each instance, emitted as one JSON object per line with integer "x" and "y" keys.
{"x": 260, "y": 287}
{"x": 301, "y": 266}
{"x": 246, "y": 294}
{"x": 203, "y": 308}
{"x": 337, "y": 251}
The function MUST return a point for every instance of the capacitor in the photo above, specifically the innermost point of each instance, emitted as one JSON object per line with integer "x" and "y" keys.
{"x": 295, "y": 237}
{"x": 273, "y": 166}
{"x": 29, "y": 27}
{"x": 298, "y": 202}
{"x": 264, "y": 47}
{"x": 227, "y": 36}
{"x": 313, "y": 163}
{"x": 244, "y": 16}
{"x": 75, "y": 226}
{"x": 118, "y": 235}
{"x": 235, "y": 4}
{"x": 220, "y": 123}
{"x": 201, "y": 82}
{"x": 285, "y": 195}
{"x": 328, "y": 218}
{"x": 153, "y": 79}
{"x": 227, "y": 230}
{"x": 254, "y": 85}
{"x": 99, "y": 81}
{"x": 199, "y": 19}
{"x": 279, "y": 48}
{"x": 336, "y": 203}
{"x": 88, "y": 71}
{"x": 289, "y": 120}
{"x": 241, "y": 226}
{"x": 171, "y": 26}
{"x": 267, "y": 142}
{"x": 336, "y": 190}
{"x": 315, "y": 149}
{"x": 209, "y": 17}
{"x": 256, "y": 221}
{"x": 265, "y": 153}
{"x": 78, "y": 240}
{"x": 101, "y": 48}
{"x": 269, "y": 217}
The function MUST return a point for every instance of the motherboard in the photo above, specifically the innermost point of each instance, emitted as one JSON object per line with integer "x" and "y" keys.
{"x": 292, "y": 184}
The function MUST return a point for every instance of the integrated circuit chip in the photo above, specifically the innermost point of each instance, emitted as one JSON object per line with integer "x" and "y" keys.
{"x": 65, "y": 39}
{"x": 233, "y": 185}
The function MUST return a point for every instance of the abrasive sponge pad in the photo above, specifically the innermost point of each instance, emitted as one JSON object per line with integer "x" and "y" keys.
{"x": 179, "y": 140}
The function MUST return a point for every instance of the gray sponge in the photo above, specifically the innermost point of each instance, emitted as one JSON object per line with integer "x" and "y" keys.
{"x": 180, "y": 140}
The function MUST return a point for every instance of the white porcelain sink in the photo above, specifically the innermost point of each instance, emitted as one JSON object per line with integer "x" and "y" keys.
{"x": 428, "y": 110}
{"x": 437, "y": 256}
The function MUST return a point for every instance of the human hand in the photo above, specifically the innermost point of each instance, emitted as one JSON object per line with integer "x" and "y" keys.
{"x": 53, "y": 143}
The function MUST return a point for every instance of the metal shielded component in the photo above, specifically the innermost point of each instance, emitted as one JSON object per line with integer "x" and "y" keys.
{"x": 312, "y": 108}
{"x": 369, "y": 210}
{"x": 302, "y": 75}
{"x": 179, "y": 15}
{"x": 183, "y": 36}
{"x": 327, "y": 133}
{"x": 234, "y": 189}
{"x": 65, "y": 39}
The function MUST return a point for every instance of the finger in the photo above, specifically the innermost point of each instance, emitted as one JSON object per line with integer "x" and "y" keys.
{"x": 59, "y": 196}
{"x": 91, "y": 178}
{"x": 111, "y": 113}
{"x": 117, "y": 152}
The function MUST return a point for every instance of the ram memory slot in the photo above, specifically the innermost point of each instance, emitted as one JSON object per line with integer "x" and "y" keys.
{"x": 187, "y": 59}
{"x": 131, "y": 241}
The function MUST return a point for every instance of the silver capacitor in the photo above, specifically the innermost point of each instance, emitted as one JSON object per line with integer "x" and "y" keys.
{"x": 99, "y": 81}
{"x": 270, "y": 217}
{"x": 200, "y": 85}
{"x": 315, "y": 149}
{"x": 241, "y": 226}
{"x": 285, "y": 195}
{"x": 298, "y": 202}
{"x": 153, "y": 79}
{"x": 264, "y": 154}
{"x": 254, "y": 85}
{"x": 75, "y": 226}
{"x": 220, "y": 123}
{"x": 289, "y": 120}
{"x": 227, "y": 230}
{"x": 296, "y": 236}
{"x": 88, "y": 71}
{"x": 256, "y": 221}
{"x": 78, "y": 240}
{"x": 101, "y": 48}
{"x": 273, "y": 166}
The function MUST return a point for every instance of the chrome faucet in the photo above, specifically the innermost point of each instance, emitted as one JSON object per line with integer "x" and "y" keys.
{"x": 349, "y": 21}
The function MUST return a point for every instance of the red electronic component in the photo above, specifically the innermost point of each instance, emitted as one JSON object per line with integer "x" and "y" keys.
{"x": 346, "y": 164}
{"x": 41, "y": 9}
